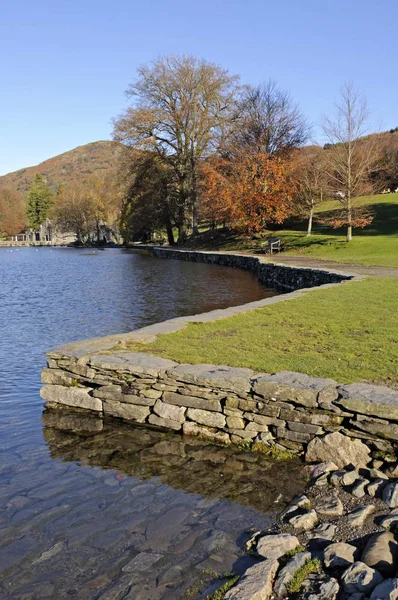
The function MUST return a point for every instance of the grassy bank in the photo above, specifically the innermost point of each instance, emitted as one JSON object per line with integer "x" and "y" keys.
{"x": 349, "y": 333}
{"x": 376, "y": 244}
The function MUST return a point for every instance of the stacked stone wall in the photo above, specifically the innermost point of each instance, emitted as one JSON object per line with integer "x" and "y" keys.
{"x": 270, "y": 274}
{"x": 220, "y": 403}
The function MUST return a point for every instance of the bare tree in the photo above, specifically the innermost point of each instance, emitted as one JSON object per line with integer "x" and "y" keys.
{"x": 311, "y": 182}
{"x": 75, "y": 210}
{"x": 349, "y": 158}
{"x": 270, "y": 122}
{"x": 181, "y": 106}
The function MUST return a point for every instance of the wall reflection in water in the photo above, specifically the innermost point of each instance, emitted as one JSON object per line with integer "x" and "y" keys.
{"x": 195, "y": 466}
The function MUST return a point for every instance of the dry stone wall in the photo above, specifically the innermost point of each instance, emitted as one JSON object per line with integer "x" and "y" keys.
{"x": 221, "y": 403}
{"x": 273, "y": 275}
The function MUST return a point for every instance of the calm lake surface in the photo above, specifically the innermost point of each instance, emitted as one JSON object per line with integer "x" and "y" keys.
{"x": 92, "y": 509}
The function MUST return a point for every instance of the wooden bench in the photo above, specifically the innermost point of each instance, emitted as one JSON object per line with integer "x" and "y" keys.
{"x": 273, "y": 244}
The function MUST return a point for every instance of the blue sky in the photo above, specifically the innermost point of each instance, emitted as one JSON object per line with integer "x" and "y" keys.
{"x": 65, "y": 64}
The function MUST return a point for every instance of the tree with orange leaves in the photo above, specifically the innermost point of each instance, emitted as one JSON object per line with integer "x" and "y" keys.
{"x": 247, "y": 192}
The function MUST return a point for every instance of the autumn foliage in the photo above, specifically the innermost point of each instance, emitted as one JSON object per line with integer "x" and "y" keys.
{"x": 12, "y": 212}
{"x": 246, "y": 192}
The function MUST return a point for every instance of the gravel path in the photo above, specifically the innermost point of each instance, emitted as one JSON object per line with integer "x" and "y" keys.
{"x": 314, "y": 263}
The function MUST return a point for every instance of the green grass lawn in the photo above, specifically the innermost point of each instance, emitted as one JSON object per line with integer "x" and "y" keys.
{"x": 348, "y": 332}
{"x": 376, "y": 244}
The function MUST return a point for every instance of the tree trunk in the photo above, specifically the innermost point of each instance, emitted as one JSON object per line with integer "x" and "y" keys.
{"x": 309, "y": 229}
{"x": 97, "y": 225}
{"x": 194, "y": 199}
{"x": 349, "y": 219}
{"x": 170, "y": 234}
{"x": 195, "y": 228}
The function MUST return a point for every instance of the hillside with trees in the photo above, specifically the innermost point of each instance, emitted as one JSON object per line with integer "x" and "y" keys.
{"x": 97, "y": 158}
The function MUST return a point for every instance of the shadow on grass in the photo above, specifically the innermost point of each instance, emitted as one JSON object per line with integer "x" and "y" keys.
{"x": 292, "y": 231}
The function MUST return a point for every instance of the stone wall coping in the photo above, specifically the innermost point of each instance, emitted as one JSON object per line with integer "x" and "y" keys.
{"x": 236, "y": 379}
{"x": 133, "y": 362}
{"x": 298, "y": 380}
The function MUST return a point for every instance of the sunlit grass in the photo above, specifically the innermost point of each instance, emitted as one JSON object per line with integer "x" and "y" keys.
{"x": 348, "y": 332}
{"x": 376, "y": 244}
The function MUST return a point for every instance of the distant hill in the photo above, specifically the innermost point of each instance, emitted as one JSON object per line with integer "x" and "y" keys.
{"x": 98, "y": 158}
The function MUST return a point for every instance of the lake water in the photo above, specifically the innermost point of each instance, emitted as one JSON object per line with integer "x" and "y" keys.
{"x": 97, "y": 509}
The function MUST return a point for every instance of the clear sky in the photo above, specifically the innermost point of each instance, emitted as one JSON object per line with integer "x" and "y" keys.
{"x": 65, "y": 64}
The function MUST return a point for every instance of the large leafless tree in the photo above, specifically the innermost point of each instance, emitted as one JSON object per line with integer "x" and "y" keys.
{"x": 180, "y": 109}
{"x": 350, "y": 158}
{"x": 270, "y": 121}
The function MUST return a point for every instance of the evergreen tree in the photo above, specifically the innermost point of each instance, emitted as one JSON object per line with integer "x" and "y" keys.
{"x": 39, "y": 201}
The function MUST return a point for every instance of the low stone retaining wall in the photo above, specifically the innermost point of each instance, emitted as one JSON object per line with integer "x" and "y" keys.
{"x": 224, "y": 404}
{"x": 221, "y": 403}
{"x": 273, "y": 275}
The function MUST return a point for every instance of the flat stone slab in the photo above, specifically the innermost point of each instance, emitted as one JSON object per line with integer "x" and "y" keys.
{"x": 299, "y": 380}
{"x": 132, "y": 362}
{"x": 367, "y": 399}
{"x": 290, "y": 386}
{"x": 234, "y": 379}
{"x": 358, "y": 516}
{"x": 256, "y": 583}
{"x": 71, "y": 396}
{"x": 275, "y": 546}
